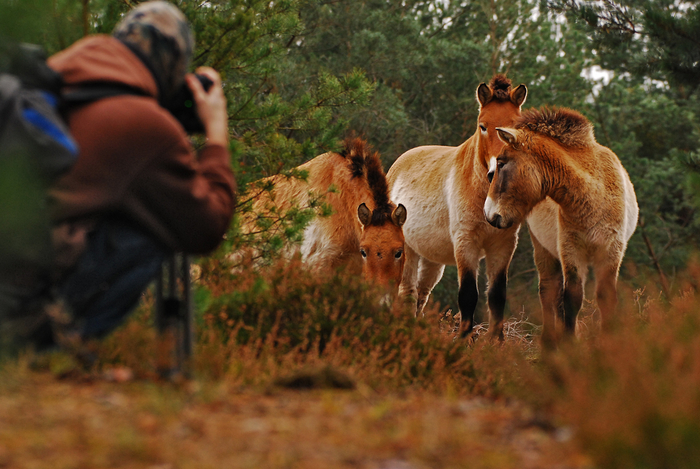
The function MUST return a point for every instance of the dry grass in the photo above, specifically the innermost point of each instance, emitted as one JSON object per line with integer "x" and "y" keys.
{"x": 64, "y": 424}
{"x": 633, "y": 392}
{"x": 296, "y": 371}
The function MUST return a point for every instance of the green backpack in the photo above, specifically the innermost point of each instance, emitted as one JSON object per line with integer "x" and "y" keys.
{"x": 36, "y": 148}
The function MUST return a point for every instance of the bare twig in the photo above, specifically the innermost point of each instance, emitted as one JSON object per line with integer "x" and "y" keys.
{"x": 654, "y": 258}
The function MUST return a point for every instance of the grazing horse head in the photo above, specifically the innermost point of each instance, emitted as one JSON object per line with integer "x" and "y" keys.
{"x": 517, "y": 182}
{"x": 381, "y": 240}
{"x": 499, "y": 106}
{"x": 382, "y": 243}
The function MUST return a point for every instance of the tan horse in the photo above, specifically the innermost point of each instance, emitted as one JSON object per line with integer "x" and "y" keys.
{"x": 580, "y": 206}
{"x": 364, "y": 229}
{"x": 444, "y": 189}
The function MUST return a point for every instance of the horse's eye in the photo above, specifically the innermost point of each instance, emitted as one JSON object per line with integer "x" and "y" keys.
{"x": 363, "y": 252}
{"x": 398, "y": 254}
{"x": 500, "y": 164}
{"x": 482, "y": 127}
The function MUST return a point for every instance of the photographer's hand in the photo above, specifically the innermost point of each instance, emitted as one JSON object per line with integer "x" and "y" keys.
{"x": 211, "y": 106}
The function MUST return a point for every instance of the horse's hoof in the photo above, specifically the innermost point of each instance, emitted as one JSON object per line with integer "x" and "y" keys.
{"x": 468, "y": 337}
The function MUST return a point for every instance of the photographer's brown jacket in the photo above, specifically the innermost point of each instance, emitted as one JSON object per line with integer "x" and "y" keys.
{"x": 135, "y": 158}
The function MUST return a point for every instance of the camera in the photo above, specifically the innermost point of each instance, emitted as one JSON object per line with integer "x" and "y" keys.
{"x": 183, "y": 107}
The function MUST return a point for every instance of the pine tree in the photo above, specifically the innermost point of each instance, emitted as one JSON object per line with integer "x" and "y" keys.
{"x": 275, "y": 124}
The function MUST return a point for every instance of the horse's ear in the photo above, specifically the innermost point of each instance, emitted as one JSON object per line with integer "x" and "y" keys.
{"x": 508, "y": 136}
{"x": 519, "y": 95}
{"x": 398, "y": 216}
{"x": 484, "y": 94}
{"x": 364, "y": 214}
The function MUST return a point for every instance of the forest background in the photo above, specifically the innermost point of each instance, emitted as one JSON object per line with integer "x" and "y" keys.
{"x": 301, "y": 75}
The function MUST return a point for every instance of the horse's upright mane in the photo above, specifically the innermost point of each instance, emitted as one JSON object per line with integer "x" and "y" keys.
{"x": 500, "y": 85}
{"x": 364, "y": 163}
{"x": 567, "y": 126}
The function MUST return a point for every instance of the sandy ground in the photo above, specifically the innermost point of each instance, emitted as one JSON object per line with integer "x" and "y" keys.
{"x": 46, "y": 422}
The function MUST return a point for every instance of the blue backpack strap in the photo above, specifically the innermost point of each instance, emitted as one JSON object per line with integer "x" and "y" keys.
{"x": 32, "y": 128}
{"x": 49, "y": 126}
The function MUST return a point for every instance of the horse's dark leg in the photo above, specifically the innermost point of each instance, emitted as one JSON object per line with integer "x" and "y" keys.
{"x": 498, "y": 257}
{"x": 468, "y": 297}
{"x": 497, "y": 303}
{"x": 573, "y": 299}
{"x": 551, "y": 291}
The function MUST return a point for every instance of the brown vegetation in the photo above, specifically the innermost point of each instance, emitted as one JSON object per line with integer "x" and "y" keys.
{"x": 292, "y": 370}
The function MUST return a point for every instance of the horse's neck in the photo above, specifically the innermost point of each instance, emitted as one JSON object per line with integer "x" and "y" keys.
{"x": 352, "y": 202}
{"x": 350, "y": 194}
{"x": 471, "y": 167}
{"x": 469, "y": 155}
{"x": 566, "y": 184}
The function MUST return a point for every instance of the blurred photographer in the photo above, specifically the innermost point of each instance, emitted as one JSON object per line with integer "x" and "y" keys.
{"x": 138, "y": 191}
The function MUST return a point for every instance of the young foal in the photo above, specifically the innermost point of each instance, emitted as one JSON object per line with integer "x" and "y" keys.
{"x": 444, "y": 189}
{"x": 580, "y": 207}
{"x": 364, "y": 230}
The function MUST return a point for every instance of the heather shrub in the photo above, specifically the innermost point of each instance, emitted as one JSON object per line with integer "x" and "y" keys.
{"x": 300, "y": 309}
{"x": 632, "y": 394}
{"x": 270, "y": 320}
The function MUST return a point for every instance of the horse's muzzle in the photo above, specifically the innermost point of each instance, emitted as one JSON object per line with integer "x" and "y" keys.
{"x": 497, "y": 222}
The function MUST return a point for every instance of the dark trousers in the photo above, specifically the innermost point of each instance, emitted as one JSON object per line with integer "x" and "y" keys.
{"x": 110, "y": 276}
{"x": 98, "y": 293}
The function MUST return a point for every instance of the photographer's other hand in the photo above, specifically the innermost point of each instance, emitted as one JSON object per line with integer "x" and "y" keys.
{"x": 211, "y": 106}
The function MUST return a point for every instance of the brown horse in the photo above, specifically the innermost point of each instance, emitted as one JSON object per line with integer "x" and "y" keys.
{"x": 444, "y": 189}
{"x": 364, "y": 229}
{"x": 580, "y": 206}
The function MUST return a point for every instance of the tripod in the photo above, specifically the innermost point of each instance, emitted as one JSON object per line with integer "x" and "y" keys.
{"x": 174, "y": 317}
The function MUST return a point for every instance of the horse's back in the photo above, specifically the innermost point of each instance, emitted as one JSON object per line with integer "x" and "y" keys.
{"x": 631, "y": 207}
{"x": 296, "y": 191}
{"x": 421, "y": 167}
{"x": 543, "y": 220}
{"x": 628, "y": 208}
{"x": 320, "y": 174}
{"x": 285, "y": 192}
{"x": 420, "y": 180}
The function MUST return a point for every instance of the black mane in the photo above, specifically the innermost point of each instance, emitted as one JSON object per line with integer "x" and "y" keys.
{"x": 500, "y": 85}
{"x": 362, "y": 162}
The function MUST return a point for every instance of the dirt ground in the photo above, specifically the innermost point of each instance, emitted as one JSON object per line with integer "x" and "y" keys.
{"x": 47, "y": 422}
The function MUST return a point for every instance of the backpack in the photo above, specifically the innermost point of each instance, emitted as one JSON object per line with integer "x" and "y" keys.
{"x": 36, "y": 148}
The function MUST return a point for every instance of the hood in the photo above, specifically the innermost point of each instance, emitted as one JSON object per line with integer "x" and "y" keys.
{"x": 103, "y": 58}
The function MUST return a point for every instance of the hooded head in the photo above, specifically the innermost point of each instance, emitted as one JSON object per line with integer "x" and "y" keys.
{"x": 159, "y": 34}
